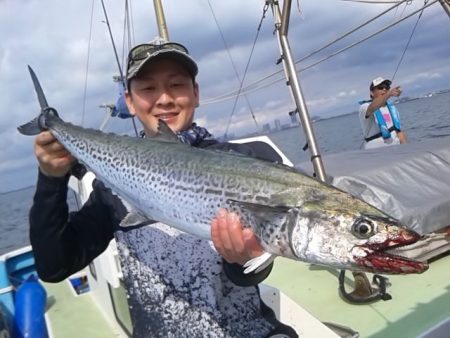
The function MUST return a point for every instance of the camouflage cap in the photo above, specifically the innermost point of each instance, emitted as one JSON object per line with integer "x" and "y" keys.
{"x": 141, "y": 55}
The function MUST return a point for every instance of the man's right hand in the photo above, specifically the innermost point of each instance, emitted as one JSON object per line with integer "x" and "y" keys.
{"x": 395, "y": 92}
{"x": 54, "y": 159}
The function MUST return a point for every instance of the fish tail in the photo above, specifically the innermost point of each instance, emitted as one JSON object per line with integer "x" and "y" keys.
{"x": 38, "y": 124}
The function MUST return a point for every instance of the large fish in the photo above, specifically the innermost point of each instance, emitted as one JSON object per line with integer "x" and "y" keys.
{"x": 293, "y": 215}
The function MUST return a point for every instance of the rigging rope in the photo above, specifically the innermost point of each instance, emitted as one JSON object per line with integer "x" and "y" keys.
{"x": 83, "y": 112}
{"x": 300, "y": 12}
{"x": 128, "y": 33}
{"x": 409, "y": 41}
{"x": 249, "y": 87}
{"x": 112, "y": 42}
{"x": 369, "y": 36}
{"x": 241, "y": 81}
{"x": 256, "y": 84}
{"x": 122, "y": 78}
{"x": 351, "y": 31}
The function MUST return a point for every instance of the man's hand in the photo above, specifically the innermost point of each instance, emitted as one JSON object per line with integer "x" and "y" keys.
{"x": 235, "y": 244}
{"x": 54, "y": 159}
{"x": 379, "y": 100}
{"x": 395, "y": 92}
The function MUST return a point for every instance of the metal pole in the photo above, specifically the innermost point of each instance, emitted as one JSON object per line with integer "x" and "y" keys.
{"x": 161, "y": 20}
{"x": 446, "y": 5}
{"x": 362, "y": 284}
{"x": 281, "y": 25}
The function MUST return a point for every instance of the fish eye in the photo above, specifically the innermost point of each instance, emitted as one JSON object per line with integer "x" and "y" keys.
{"x": 363, "y": 228}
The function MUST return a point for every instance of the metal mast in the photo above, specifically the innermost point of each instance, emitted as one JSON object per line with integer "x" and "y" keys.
{"x": 362, "y": 285}
{"x": 281, "y": 20}
{"x": 446, "y": 5}
{"x": 161, "y": 20}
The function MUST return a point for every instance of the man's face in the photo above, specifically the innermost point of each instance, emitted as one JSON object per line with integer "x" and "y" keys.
{"x": 379, "y": 90}
{"x": 163, "y": 90}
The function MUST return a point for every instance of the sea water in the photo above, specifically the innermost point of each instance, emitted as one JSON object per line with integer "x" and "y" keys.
{"x": 424, "y": 118}
{"x": 14, "y": 209}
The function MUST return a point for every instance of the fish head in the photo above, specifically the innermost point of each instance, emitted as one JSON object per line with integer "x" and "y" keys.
{"x": 351, "y": 234}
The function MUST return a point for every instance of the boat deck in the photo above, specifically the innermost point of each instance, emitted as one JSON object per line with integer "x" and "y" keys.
{"x": 419, "y": 302}
{"x": 70, "y": 315}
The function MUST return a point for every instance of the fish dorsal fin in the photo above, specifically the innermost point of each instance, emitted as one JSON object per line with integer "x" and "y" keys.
{"x": 165, "y": 134}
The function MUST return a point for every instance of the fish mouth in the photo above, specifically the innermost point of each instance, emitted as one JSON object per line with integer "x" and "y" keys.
{"x": 384, "y": 257}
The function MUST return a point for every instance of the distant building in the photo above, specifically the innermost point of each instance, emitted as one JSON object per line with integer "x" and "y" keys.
{"x": 277, "y": 125}
{"x": 266, "y": 128}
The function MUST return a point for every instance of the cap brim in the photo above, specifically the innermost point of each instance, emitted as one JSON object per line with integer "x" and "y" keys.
{"x": 389, "y": 82}
{"x": 179, "y": 57}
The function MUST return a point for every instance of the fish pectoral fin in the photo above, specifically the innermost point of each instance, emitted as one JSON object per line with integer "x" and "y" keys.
{"x": 133, "y": 219}
{"x": 259, "y": 263}
{"x": 165, "y": 134}
{"x": 266, "y": 216}
{"x": 262, "y": 212}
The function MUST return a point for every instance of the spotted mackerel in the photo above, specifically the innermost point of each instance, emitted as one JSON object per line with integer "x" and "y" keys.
{"x": 292, "y": 214}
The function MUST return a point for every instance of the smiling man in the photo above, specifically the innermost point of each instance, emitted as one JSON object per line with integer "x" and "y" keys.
{"x": 177, "y": 284}
{"x": 161, "y": 85}
{"x": 379, "y": 118}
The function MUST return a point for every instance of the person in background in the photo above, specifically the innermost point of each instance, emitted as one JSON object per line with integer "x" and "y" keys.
{"x": 177, "y": 284}
{"x": 380, "y": 120}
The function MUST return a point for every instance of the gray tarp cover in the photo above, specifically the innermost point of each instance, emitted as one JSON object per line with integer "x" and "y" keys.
{"x": 410, "y": 182}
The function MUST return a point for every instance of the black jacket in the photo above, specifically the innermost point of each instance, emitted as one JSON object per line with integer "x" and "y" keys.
{"x": 174, "y": 284}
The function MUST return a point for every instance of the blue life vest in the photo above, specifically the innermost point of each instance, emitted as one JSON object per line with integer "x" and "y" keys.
{"x": 385, "y": 131}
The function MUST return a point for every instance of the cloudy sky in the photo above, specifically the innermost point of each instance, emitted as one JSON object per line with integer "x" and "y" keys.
{"x": 53, "y": 37}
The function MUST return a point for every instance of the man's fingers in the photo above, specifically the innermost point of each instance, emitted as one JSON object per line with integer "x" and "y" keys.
{"x": 215, "y": 234}
{"x": 227, "y": 244}
{"x": 45, "y": 138}
{"x": 235, "y": 233}
{"x": 56, "y": 147}
{"x": 252, "y": 244}
{"x": 51, "y": 152}
{"x": 235, "y": 244}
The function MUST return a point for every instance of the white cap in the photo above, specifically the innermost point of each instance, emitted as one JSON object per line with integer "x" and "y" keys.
{"x": 379, "y": 80}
